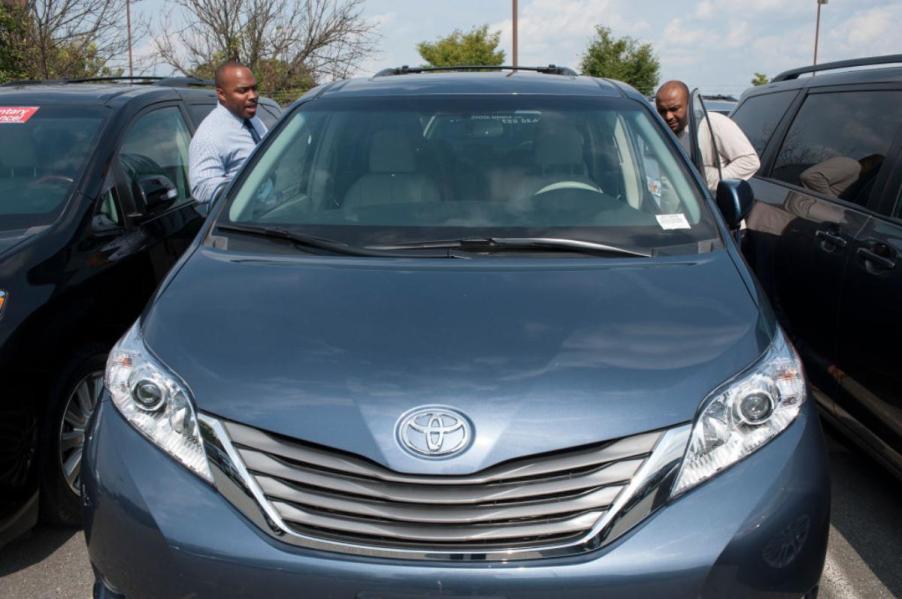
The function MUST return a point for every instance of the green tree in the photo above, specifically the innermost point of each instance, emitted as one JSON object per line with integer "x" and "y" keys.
{"x": 475, "y": 47}
{"x": 11, "y": 57}
{"x": 275, "y": 78}
{"x": 624, "y": 59}
{"x": 760, "y": 79}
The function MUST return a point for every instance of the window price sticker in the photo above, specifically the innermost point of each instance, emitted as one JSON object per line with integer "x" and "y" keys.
{"x": 672, "y": 221}
{"x": 16, "y": 114}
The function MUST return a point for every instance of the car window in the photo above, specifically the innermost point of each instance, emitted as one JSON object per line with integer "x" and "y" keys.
{"x": 837, "y": 144}
{"x": 374, "y": 169}
{"x": 758, "y": 116}
{"x": 43, "y": 151}
{"x": 268, "y": 115}
{"x": 107, "y": 213}
{"x": 157, "y": 144}
{"x": 199, "y": 112}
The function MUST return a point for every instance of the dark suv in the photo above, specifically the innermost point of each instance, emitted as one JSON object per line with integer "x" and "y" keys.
{"x": 825, "y": 235}
{"x": 95, "y": 207}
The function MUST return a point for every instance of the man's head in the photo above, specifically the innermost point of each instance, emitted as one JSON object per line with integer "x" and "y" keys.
{"x": 672, "y": 102}
{"x": 236, "y": 88}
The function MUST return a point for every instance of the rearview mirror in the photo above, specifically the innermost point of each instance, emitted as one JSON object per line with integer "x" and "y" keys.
{"x": 734, "y": 199}
{"x": 157, "y": 192}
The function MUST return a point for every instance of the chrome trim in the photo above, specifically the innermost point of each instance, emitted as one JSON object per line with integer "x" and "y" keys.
{"x": 648, "y": 487}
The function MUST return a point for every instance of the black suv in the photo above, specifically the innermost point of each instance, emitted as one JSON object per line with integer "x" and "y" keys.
{"x": 95, "y": 207}
{"x": 825, "y": 235}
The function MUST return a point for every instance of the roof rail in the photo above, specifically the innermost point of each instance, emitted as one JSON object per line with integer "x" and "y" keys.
{"x": 145, "y": 80}
{"x": 724, "y": 97}
{"x": 840, "y": 64}
{"x": 406, "y": 70}
{"x": 139, "y": 78}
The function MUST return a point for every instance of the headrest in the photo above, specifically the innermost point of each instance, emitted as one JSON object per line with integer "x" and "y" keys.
{"x": 559, "y": 147}
{"x": 391, "y": 152}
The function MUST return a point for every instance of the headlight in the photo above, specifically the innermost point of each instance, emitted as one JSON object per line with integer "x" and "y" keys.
{"x": 744, "y": 414}
{"x": 155, "y": 402}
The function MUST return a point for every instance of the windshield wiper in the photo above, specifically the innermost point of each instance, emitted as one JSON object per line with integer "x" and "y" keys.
{"x": 319, "y": 243}
{"x": 496, "y": 244}
{"x": 307, "y": 241}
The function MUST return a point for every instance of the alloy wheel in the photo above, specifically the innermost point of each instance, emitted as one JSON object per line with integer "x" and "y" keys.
{"x": 79, "y": 407}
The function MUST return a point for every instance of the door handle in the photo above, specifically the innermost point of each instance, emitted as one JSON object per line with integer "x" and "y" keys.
{"x": 832, "y": 238}
{"x": 875, "y": 258}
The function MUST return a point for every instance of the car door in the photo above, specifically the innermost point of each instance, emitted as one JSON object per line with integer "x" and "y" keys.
{"x": 156, "y": 145}
{"x": 810, "y": 208}
{"x": 701, "y": 137}
{"x": 869, "y": 365}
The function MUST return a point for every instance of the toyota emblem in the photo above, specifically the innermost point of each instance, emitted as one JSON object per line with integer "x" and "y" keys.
{"x": 434, "y": 432}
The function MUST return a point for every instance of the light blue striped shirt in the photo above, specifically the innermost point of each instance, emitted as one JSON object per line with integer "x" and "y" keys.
{"x": 218, "y": 149}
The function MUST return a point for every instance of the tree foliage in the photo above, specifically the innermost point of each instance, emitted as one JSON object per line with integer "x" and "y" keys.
{"x": 51, "y": 39}
{"x": 288, "y": 44}
{"x": 475, "y": 47}
{"x": 10, "y": 53}
{"x": 760, "y": 79}
{"x": 624, "y": 59}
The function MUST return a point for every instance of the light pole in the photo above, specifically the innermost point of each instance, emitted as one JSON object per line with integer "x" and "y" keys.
{"x": 817, "y": 28}
{"x": 515, "y": 32}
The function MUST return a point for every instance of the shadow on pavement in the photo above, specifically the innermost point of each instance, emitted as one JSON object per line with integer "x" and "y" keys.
{"x": 33, "y": 548}
{"x": 865, "y": 509}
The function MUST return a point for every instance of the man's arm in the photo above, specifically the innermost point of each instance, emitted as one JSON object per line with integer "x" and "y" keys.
{"x": 736, "y": 151}
{"x": 206, "y": 170}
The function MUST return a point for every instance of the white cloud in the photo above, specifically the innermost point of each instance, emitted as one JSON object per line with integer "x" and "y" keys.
{"x": 558, "y": 31}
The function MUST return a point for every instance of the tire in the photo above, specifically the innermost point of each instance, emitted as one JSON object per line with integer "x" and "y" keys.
{"x": 73, "y": 398}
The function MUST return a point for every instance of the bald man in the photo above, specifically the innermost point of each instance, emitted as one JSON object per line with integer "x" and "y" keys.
{"x": 227, "y": 135}
{"x": 735, "y": 154}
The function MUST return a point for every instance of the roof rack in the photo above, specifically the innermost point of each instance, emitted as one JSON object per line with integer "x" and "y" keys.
{"x": 144, "y": 80}
{"x": 406, "y": 70}
{"x": 840, "y": 64}
{"x": 724, "y": 97}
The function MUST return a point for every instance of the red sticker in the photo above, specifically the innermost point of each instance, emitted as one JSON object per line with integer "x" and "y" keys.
{"x": 16, "y": 114}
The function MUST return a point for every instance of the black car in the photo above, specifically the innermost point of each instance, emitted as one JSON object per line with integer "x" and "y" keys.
{"x": 95, "y": 207}
{"x": 825, "y": 235}
{"x": 720, "y": 103}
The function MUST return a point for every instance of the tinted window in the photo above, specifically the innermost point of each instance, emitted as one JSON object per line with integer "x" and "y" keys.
{"x": 268, "y": 115}
{"x": 199, "y": 112}
{"x": 758, "y": 117}
{"x": 157, "y": 144}
{"x": 375, "y": 170}
{"x": 838, "y": 142}
{"x": 42, "y": 155}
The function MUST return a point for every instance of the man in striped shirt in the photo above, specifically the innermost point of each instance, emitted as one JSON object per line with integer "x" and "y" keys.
{"x": 226, "y": 137}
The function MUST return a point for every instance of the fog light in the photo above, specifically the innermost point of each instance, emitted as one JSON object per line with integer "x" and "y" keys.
{"x": 755, "y": 408}
{"x": 148, "y": 396}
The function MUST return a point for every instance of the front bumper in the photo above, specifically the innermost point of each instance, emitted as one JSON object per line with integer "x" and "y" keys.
{"x": 156, "y": 530}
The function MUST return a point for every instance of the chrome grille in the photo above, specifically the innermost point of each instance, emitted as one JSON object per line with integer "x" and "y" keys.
{"x": 538, "y": 500}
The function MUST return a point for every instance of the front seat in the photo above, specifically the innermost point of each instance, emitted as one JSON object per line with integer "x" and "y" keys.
{"x": 392, "y": 176}
{"x": 559, "y": 162}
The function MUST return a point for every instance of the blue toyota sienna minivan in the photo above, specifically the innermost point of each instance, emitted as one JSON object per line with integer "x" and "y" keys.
{"x": 460, "y": 334}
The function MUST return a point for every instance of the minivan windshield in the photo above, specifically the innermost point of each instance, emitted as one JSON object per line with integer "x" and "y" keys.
{"x": 408, "y": 171}
{"x": 42, "y": 154}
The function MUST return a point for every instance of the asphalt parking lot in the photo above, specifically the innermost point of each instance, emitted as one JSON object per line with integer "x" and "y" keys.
{"x": 864, "y": 559}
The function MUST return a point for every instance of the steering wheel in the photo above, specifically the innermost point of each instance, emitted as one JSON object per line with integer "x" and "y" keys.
{"x": 559, "y": 185}
{"x": 58, "y": 179}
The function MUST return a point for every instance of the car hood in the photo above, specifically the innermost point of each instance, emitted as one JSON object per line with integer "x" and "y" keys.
{"x": 539, "y": 354}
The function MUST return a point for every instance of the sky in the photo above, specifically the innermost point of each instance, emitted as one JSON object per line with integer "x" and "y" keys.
{"x": 715, "y": 45}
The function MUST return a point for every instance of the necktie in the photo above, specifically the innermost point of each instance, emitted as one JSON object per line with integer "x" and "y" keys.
{"x": 250, "y": 127}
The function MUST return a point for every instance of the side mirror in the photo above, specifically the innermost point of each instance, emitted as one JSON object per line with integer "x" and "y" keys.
{"x": 157, "y": 192}
{"x": 734, "y": 199}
